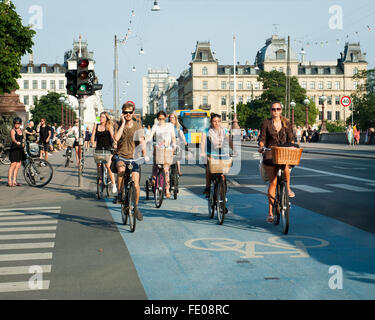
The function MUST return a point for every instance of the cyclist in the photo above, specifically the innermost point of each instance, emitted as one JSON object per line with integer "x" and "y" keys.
{"x": 275, "y": 131}
{"x": 213, "y": 139}
{"x": 180, "y": 137}
{"x": 75, "y": 132}
{"x": 129, "y": 135}
{"x": 102, "y": 139}
{"x": 165, "y": 137}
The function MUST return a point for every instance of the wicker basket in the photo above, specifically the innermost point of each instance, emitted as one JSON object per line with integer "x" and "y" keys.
{"x": 220, "y": 165}
{"x": 70, "y": 142}
{"x": 290, "y": 156}
{"x": 163, "y": 155}
{"x": 102, "y": 156}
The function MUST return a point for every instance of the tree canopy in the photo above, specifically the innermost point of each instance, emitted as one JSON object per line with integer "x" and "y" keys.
{"x": 15, "y": 42}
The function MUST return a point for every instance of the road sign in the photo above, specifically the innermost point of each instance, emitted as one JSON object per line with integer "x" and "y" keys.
{"x": 346, "y": 101}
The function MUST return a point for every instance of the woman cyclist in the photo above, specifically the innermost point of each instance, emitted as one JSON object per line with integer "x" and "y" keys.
{"x": 213, "y": 140}
{"x": 165, "y": 137}
{"x": 275, "y": 131}
{"x": 102, "y": 139}
{"x": 180, "y": 137}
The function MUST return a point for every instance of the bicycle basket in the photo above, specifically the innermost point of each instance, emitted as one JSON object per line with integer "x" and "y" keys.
{"x": 102, "y": 156}
{"x": 70, "y": 142}
{"x": 163, "y": 155}
{"x": 220, "y": 165}
{"x": 34, "y": 150}
{"x": 290, "y": 156}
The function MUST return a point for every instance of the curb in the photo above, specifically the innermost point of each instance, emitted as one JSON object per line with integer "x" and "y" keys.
{"x": 330, "y": 153}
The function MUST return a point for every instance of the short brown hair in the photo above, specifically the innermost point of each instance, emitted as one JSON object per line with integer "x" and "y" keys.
{"x": 128, "y": 104}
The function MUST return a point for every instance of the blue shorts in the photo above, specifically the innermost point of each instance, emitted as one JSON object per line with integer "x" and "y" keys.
{"x": 117, "y": 160}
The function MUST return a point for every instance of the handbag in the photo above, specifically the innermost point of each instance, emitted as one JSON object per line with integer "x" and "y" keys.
{"x": 113, "y": 164}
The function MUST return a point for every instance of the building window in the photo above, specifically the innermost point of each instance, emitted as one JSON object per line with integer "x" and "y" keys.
{"x": 26, "y": 100}
{"x": 320, "y": 71}
{"x": 333, "y": 70}
{"x": 338, "y": 85}
{"x": 337, "y": 100}
{"x": 329, "y": 100}
{"x": 35, "y": 84}
{"x": 204, "y": 71}
{"x": 232, "y": 100}
{"x": 248, "y": 85}
{"x": 308, "y": 70}
{"x": 205, "y": 100}
{"x": 26, "y": 84}
{"x": 61, "y": 84}
{"x": 44, "y": 84}
{"x": 204, "y": 56}
{"x": 30, "y": 69}
{"x": 312, "y": 84}
{"x": 304, "y": 84}
{"x": 35, "y": 99}
{"x": 329, "y": 85}
{"x": 280, "y": 55}
{"x": 320, "y": 85}
{"x": 240, "y": 70}
{"x": 240, "y": 99}
{"x": 355, "y": 71}
{"x": 257, "y": 86}
{"x": 329, "y": 115}
{"x": 223, "y": 85}
{"x": 240, "y": 85}
{"x": 224, "y": 116}
{"x": 44, "y": 69}
{"x": 232, "y": 85}
{"x": 223, "y": 100}
{"x": 205, "y": 85}
{"x": 281, "y": 69}
{"x": 355, "y": 85}
{"x": 337, "y": 115}
{"x": 248, "y": 99}
{"x": 52, "y": 85}
{"x": 57, "y": 69}
{"x": 227, "y": 71}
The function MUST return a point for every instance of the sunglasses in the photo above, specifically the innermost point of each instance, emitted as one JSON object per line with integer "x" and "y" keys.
{"x": 276, "y": 109}
{"x": 127, "y": 112}
{"x": 18, "y": 123}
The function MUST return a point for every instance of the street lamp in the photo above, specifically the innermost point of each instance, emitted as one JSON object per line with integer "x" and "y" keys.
{"x": 292, "y": 105}
{"x": 323, "y": 129}
{"x": 306, "y": 102}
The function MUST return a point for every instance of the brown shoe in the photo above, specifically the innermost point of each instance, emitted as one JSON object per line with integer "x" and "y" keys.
{"x": 138, "y": 214}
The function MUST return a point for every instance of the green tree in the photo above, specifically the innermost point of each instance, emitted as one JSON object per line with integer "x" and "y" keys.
{"x": 363, "y": 101}
{"x": 149, "y": 119}
{"x": 15, "y": 41}
{"x": 49, "y": 107}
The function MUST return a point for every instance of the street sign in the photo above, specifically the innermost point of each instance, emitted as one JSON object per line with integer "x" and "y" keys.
{"x": 346, "y": 101}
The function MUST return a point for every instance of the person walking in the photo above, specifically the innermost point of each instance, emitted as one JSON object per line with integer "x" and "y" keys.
{"x": 75, "y": 132}
{"x": 44, "y": 139}
{"x": 349, "y": 134}
{"x": 16, "y": 154}
{"x": 180, "y": 137}
{"x": 357, "y": 134}
{"x": 88, "y": 136}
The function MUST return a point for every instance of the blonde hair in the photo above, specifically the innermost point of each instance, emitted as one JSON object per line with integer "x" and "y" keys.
{"x": 108, "y": 123}
{"x": 177, "y": 123}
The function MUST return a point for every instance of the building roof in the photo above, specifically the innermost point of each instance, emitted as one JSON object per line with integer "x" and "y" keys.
{"x": 37, "y": 68}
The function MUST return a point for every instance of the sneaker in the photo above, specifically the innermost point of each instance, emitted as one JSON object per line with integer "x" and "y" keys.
{"x": 114, "y": 189}
{"x": 138, "y": 214}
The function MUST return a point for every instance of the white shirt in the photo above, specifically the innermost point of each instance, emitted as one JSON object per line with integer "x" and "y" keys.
{"x": 164, "y": 134}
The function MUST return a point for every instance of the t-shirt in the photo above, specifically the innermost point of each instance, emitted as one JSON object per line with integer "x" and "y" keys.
{"x": 129, "y": 141}
{"x": 163, "y": 134}
{"x": 44, "y": 132}
{"x": 211, "y": 149}
{"x": 28, "y": 136}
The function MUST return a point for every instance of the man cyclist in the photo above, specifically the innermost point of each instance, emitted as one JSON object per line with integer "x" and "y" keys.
{"x": 129, "y": 135}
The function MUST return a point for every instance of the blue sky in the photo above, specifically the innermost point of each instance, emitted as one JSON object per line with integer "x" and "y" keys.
{"x": 169, "y": 36}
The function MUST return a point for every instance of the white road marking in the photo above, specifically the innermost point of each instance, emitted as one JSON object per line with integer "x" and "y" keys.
{"x": 27, "y": 217}
{"x": 336, "y": 174}
{"x": 27, "y": 229}
{"x": 5, "y": 271}
{"x": 27, "y": 236}
{"x": 350, "y": 187}
{"x": 31, "y": 245}
{"x": 260, "y": 188}
{"x": 310, "y": 189}
{"x": 31, "y": 209}
{"x": 21, "y": 286}
{"x": 26, "y": 256}
{"x": 15, "y": 213}
{"x": 235, "y": 183}
{"x": 25, "y": 223}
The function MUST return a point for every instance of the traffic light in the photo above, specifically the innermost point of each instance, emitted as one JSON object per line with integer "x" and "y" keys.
{"x": 71, "y": 86}
{"x": 84, "y": 76}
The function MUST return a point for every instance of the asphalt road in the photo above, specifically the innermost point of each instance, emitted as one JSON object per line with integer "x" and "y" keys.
{"x": 177, "y": 252}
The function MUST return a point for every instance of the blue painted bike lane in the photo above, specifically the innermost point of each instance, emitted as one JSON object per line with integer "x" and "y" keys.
{"x": 179, "y": 253}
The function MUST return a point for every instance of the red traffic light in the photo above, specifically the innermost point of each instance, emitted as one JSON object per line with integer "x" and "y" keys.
{"x": 83, "y": 75}
{"x": 83, "y": 63}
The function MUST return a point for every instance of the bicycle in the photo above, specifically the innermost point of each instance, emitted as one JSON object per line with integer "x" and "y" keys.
{"x": 37, "y": 172}
{"x": 102, "y": 157}
{"x": 4, "y": 153}
{"x": 128, "y": 200}
{"x": 219, "y": 165}
{"x": 174, "y": 177}
{"x": 68, "y": 154}
{"x": 281, "y": 205}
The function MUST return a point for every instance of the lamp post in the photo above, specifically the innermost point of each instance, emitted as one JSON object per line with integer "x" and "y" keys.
{"x": 292, "y": 105}
{"x": 235, "y": 125}
{"x": 306, "y": 102}
{"x": 323, "y": 129}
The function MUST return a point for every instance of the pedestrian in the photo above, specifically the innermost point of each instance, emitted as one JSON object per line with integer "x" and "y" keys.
{"x": 180, "y": 137}
{"x": 75, "y": 132}
{"x": 16, "y": 154}
{"x": 44, "y": 139}
{"x": 304, "y": 135}
{"x": 349, "y": 134}
{"x": 299, "y": 134}
{"x": 366, "y": 135}
{"x": 88, "y": 138}
{"x": 357, "y": 134}
{"x": 371, "y": 136}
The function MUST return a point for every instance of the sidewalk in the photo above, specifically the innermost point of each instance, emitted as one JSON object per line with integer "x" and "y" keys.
{"x": 361, "y": 151}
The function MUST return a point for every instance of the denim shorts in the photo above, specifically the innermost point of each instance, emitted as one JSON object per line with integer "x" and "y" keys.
{"x": 117, "y": 159}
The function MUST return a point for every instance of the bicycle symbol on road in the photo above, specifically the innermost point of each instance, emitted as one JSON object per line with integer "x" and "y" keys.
{"x": 247, "y": 249}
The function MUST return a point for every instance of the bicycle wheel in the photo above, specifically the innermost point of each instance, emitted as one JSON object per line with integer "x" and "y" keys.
{"x": 4, "y": 158}
{"x": 124, "y": 206}
{"x": 285, "y": 208}
{"x": 131, "y": 206}
{"x": 38, "y": 173}
{"x": 211, "y": 201}
{"x": 67, "y": 161}
{"x": 106, "y": 181}
{"x": 99, "y": 183}
{"x": 176, "y": 181}
{"x": 221, "y": 201}
{"x": 276, "y": 206}
{"x": 173, "y": 181}
{"x": 159, "y": 188}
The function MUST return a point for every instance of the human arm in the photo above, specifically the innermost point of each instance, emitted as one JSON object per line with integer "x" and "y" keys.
{"x": 92, "y": 140}
{"x": 262, "y": 137}
{"x": 120, "y": 129}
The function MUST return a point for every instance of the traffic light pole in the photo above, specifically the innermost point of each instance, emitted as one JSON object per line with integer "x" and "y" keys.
{"x": 81, "y": 101}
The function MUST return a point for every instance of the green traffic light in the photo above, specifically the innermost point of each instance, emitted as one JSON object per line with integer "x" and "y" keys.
{"x": 82, "y": 88}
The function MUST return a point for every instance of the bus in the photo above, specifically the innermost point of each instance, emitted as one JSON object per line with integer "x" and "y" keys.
{"x": 193, "y": 123}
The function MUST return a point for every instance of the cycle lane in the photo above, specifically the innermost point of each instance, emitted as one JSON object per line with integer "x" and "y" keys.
{"x": 179, "y": 253}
